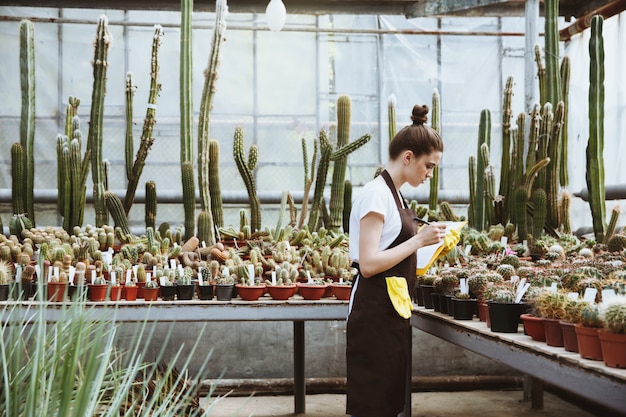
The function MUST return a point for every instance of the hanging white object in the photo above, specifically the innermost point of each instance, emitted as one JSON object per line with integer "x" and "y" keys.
{"x": 276, "y": 15}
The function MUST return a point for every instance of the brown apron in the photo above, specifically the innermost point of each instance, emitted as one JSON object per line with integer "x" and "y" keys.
{"x": 377, "y": 337}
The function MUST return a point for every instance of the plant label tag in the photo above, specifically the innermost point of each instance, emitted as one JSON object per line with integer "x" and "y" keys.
{"x": 572, "y": 296}
{"x": 113, "y": 278}
{"x": 273, "y": 277}
{"x": 468, "y": 249}
{"x": 128, "y": 275}
{"x": 590, "y": 295}
{"x": 72, "y": 273}
{"x": 608, "y": 295}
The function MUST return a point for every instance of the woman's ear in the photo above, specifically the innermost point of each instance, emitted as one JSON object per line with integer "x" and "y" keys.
{"x": 407, "y": 155}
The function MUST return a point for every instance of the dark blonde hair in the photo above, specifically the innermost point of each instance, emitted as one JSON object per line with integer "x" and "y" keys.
{"x": 417, "y": 137}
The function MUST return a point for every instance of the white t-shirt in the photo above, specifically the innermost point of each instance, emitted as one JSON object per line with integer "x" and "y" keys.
{"x": 375, "y": 196}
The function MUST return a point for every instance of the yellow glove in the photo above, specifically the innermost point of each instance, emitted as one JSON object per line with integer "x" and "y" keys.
{"x": 450, "y": 240}
{"x": 398, "y": 291}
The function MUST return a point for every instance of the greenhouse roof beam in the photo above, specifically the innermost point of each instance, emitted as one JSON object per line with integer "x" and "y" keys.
{"x": 408, "y": 8}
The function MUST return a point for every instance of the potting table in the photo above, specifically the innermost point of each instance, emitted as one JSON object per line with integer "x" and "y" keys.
{"x": 296, "y": 311}
{"x": 541, "y": 363}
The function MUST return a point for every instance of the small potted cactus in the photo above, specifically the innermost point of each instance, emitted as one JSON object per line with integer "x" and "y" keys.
{"x": 151, "y": 290}
{"x": 6, "y": 275}
{"x": 224, "y": 284}
{"x": 613, "y": 334}
{"x": 250, "y": 286}
{"x": 504, "y": 312}
{"x": 98, "y": 289}
{"x": 184, "y": 287}
{"x": 168, "y": 287}
{"x": 206, "y": 284}
{"x": 282, "y": 285}
{"x": 587, "y": 332}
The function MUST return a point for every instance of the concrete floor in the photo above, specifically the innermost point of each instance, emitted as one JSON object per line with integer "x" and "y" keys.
{"x": 424, "y": 404}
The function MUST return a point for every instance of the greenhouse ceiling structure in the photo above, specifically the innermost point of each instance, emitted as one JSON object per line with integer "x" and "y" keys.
{"x": 410, "y": 9}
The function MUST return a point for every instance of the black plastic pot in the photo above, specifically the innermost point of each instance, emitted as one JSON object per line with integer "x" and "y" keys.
{"x": 464, "y": 309}
{"x": 168, "y": 292}
{"x": 427, "y": 290}
{"x": 185, "y": 292}
{"x": 504, "y": 317}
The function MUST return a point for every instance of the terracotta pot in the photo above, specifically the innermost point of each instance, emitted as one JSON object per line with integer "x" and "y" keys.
{"x": 250, "y": 292}
{"x": 140, "y": 286}
{"x": 150, "y": 294}
{"x": 115, "y": 292}
{"x": 97, "y": 292}
{"x": 482, "y": 311}
{"x": 130, "y": 292}
{"x": 570, "y": 341}
{"x": 464, "y": 309}
{"x": 588, "y": 342}
{"x": 311, "y": 292}
{"x": 533, "y": 326}
{"x": 613, "y": 348}
{"x": 554, "y": 334}
{"x": 57, "y": 291}
{"x": 281, "y": 292}
{"x": 341, "y": 292}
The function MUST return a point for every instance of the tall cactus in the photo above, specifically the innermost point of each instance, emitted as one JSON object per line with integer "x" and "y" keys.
{"x": 309, "y": 175}
{"x": 505, "y": 164}
{"x": 129, "y": 147}
{"x": 595, "y": 145}
{"x": 150, "y": 207}
{"x": 149, "y": 121}
{"x": 206, "y": 103}
{"x": 435, "y": 123}
{"x": 565, "y": 77}
{"x": 473, "y": 198}
{"x": 326, "y": 149}
{"x": 215, "y": 192}
{"x": 27, "y": 120}
{"x": 94, "y": 143}
{"x": 189, "y": 202}
{"x": 391, "y": 115}
{"x": 17, "y": 178}
{"x": 553, "y": 74}
{"x": 116, "y": 208}
{"x": 553, "y": 170}
{"x": 246, "y": 169}
{"x": 484, "y": 137}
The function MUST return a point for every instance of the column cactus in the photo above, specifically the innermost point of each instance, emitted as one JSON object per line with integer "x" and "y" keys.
{"x": 435, "y": 123}
{"x": 595, "y": 144}
{"x": 246, "y": 169}
{"x": 115, "y": 206}
{"x": 149, "y": 121}
{"x": 553, "y": 74}
{"x": 340, "y": 160}
{"x": 27, "y": 119}
{"x": 553, "y": 170}
{"x": 326, "y": 150}
{"x": 565, "y": 77}
{"x": 505, "y": 164}
{"x": 150, "y": 206}
{"x": 309, "y": 175}
{"x": 484, "y": 136}
{"x": 94, "y": 143}
{"x": 391, "y": 115}
{"x": 471, "y": 209}
{"x": 189, "y": 198}
{"x": 186, "y": 114}
{"x": 206, "y": 104}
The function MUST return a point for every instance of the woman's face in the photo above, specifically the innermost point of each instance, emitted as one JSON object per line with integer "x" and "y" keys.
{"x": 420, "y": 168}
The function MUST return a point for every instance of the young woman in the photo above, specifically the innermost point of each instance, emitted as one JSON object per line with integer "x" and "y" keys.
{"x": 384, "y": 239}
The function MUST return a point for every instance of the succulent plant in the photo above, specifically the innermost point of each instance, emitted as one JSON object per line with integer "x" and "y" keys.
{"x": 615, "y": 316}
{"x": 6, "y": 273}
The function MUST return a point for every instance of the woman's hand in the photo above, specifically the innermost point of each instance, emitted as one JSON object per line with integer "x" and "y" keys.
{"x": 431, "y": 234}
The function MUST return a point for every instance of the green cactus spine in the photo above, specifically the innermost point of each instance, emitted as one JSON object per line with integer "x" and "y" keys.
{"x": 149, "y": 121}
{"x": 27, "y": 120}
{"x": 246, "y": 169}
{"x": 340, "y": 165}
{"x": 595, "y": 145}
{"x": 435, "y": 123}
{"x": 539, "y": 204}
{"x": 565, "y": 77}
{"x": 217, "y": 209}
{"x": 326, "y": 150}
{"x": 115, "y": 206}
{"x": 520, "y": 200}
{"x": 94, "y": 143}
{"x": 150, "y": 205}
{"x": 189, "y": 202}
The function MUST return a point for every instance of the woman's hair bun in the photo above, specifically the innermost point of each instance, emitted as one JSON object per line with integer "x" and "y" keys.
{"x": 420, "y": 114}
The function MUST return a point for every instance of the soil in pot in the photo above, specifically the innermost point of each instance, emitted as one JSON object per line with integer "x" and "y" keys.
{"x": 533, "y": 326}
{"x": 613, "y": 348}
{"x": 588, "y": 342}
